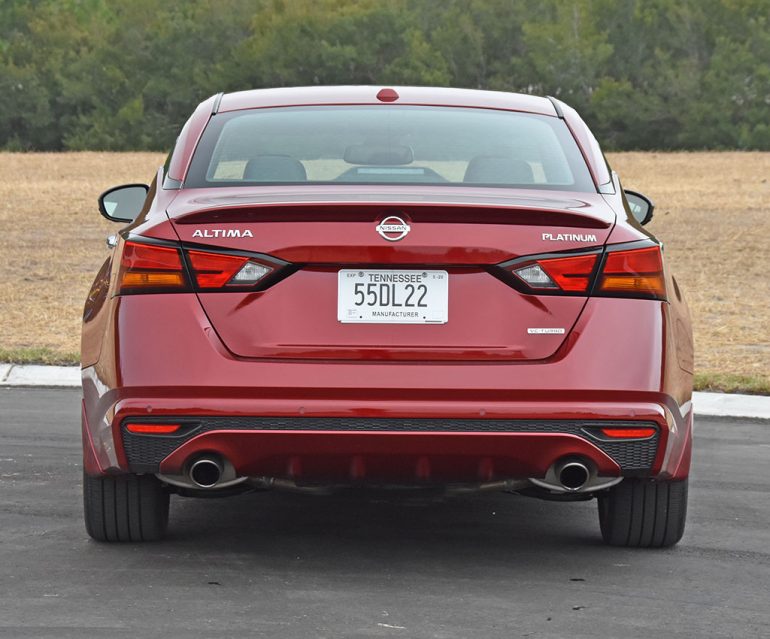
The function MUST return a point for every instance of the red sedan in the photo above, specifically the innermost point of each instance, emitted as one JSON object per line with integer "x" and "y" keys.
{"x": 386, "y": 286}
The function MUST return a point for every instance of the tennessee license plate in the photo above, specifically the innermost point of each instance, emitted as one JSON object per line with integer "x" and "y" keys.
{"x": 392, "y": 296}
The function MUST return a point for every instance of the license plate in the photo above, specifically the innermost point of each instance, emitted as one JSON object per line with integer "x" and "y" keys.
{"x": 392, "y": 297}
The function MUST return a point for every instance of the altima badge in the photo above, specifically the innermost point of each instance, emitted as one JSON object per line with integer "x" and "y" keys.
{"x": 222, "y": 233}
{"x": 393, "y": 228}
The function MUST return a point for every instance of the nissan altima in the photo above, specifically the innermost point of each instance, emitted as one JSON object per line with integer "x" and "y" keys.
{"x": 392, "y": 287}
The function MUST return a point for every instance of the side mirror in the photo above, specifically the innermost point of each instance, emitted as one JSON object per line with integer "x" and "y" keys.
{"x": 123, "y": 203}
{"x": 641, "y": 206}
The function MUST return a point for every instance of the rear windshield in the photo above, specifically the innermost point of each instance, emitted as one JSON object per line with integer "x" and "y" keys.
{"x": 388, "y": 144}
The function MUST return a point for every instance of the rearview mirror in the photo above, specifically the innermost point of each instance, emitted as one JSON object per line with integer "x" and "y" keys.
{"x": 123, "y": 203}
{"x": 641, "y": 206}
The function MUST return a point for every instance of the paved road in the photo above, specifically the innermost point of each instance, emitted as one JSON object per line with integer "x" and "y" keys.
{"x": 283, "y": 565}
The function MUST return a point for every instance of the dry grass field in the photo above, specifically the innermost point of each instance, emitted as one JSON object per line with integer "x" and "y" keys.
{"x": 713, "y": 216}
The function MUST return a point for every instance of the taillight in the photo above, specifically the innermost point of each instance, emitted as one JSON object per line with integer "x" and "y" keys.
{"x": 148, "y": 268}
{"x": 623, "y": 272}
{"x": 160, "y": 268}
{"x": 215, "y": 270}
{"x": 633, "y": 273}
{"x": 571, "y": 273}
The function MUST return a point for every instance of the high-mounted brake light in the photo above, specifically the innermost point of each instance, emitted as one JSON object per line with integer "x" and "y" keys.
{"x": 571, "y": 273}
{"x": 150, "y": 268}
{"x": 633, "y": 273}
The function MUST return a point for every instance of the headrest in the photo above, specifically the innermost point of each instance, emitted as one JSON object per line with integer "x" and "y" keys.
{"x": 274, "y": 168}
{"x": 488, "y": 169}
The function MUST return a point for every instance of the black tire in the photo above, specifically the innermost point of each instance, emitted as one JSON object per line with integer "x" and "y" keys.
{"x": 643, "y": 514}
{"x": 125, "y": 507}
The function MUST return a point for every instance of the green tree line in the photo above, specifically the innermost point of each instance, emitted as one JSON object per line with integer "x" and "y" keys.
{"x": 125, "y": 74}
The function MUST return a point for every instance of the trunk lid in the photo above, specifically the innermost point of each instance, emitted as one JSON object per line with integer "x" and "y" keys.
{"x": 322, "y": 231}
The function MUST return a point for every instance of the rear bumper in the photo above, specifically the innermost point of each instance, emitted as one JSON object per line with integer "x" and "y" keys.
{"x": 178, "y": 368}
{"x": 404, "y": 450}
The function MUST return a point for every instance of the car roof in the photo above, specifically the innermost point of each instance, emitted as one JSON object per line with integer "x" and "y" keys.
{"x": 329, "y": 95}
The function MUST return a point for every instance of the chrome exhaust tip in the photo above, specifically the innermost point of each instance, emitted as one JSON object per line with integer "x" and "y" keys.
{"x": 206, "y": 472}
{"x": 573, "y": 475}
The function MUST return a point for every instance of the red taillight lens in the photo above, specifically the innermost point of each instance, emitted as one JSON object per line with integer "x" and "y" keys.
{"x": 153, "y": 429}
{"x": 628, "y": 433}
{"x": 571, "y": 273}
{"x": 634, "y": 273}
{"x": 150, "y": 268}
{"x": 215, "y": 270}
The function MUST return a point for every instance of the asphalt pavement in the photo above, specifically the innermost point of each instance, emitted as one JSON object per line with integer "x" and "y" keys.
{"x": 283, "y": 565}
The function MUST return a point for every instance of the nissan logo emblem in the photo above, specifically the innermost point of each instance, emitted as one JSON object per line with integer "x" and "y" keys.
{"x": 393, "y": 228}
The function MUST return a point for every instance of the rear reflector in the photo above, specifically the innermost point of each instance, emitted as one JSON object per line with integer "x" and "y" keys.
{"x": 628, "y": 433}
{"x": 634, "y": 273}
{"x": 147, "y": 268}
{"x": 153, "y": 429}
